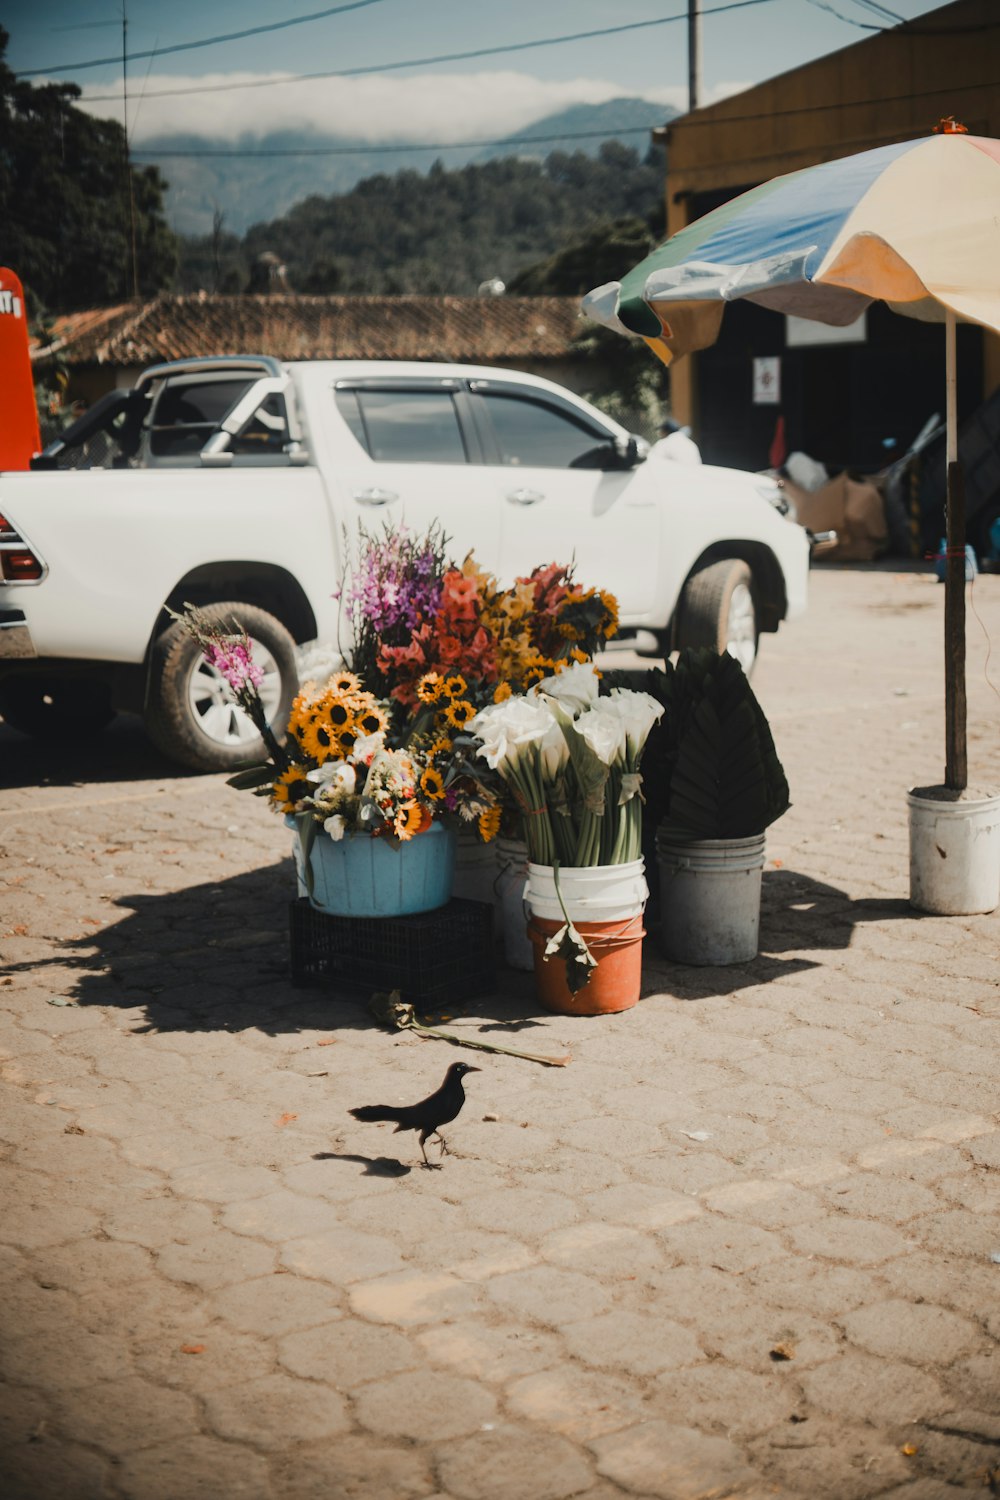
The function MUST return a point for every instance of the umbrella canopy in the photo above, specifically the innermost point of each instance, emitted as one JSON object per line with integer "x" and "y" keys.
{"x": 915, "y": 225}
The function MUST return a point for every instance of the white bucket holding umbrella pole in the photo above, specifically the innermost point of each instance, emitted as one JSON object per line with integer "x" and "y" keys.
{"x": 954, "y": 830}
{"x": 954, "y": 850}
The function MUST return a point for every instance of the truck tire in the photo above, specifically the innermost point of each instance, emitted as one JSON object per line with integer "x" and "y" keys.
{"x": 718, "y": 609}
{"x": 190, "y": 713}
{"x": 61, "y": 707}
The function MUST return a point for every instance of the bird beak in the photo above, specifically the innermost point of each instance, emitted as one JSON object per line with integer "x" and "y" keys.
{"x": 470, "y": 1069}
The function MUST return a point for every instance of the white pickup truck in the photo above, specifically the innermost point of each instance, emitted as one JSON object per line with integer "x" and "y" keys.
{"x": 238, "y": 483}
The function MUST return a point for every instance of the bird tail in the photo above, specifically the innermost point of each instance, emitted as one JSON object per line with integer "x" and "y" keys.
{"x": 374, "y": 1112}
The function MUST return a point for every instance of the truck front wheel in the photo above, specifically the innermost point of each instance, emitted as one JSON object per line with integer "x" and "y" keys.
{"x": 718, "y": 609}
{"x": 191, "y": 714}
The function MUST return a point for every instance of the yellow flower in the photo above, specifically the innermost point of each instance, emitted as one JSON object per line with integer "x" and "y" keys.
{"x": 611, "y": 605}
{"x": 320, "y": 740}
{"x": 409, "y": 820}
{"x": 502, "y": 692}
{"x": 454, "y": 687}
{"x": 579, "y": 656}
{"x": 429, "y": 687}
{"x": 338, "y": 710}
{"x": 432, "y": 784}
{"x": 344, "y": 682}
{"x": 373, "y": 720}
{"x": 489, "y": 824}
{"x": 459, "y": 713}
{"x": 290, "y": 787}
{"x": 533, "y": 676}
{"x": 441, "y": 746}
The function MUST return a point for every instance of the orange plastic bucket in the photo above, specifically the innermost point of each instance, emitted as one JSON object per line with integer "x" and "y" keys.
{"x": 616, "y": 982}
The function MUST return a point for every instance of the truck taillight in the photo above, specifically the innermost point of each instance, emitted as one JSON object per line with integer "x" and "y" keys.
{"x": 18, "y": 563}
{"x": 20, "y": 566}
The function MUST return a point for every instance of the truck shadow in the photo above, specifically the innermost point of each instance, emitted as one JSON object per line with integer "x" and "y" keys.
{"x": 122, "y": 752}
{"x": 215, "y": 957}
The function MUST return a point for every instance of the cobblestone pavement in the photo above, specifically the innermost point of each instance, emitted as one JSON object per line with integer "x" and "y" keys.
{"x": 745, "y": 1244}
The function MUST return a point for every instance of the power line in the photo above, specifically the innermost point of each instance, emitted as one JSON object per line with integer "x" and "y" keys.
{"x": 848, "y": 20}
{"x": 209, "y": 41}
{"x": 423, "y": 62}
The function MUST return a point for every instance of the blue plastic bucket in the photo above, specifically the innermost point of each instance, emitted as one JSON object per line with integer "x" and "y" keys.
{"x": 362, "y": 876}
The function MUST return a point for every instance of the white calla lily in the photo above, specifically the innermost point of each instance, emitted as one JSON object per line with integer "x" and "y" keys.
{"x": 604, "y": 733}
{"x": 575, "y": 687}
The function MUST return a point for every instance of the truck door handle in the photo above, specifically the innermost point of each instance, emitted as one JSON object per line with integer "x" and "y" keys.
{"x": 525, "y": 497}
{"x": 375, "y": 496}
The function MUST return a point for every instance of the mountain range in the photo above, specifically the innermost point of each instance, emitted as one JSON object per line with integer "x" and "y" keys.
{"x": 259, "y": 178}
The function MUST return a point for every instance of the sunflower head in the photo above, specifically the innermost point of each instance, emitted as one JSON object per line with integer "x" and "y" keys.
{"x": 489, "y": 823}
{"x": 344, "y": 683}
{"x": 409, "y": 820}
{"x": 372, "y": 720}
{"x": 289, "y": 788}
{"x": 429, "y": 687}
{"x": 458, "y": 713}
{"x": 320, "y": 740}
{"x": 432, "y": 784}
{"x": 502, "y": 692}
{"x": 453, "y": 687}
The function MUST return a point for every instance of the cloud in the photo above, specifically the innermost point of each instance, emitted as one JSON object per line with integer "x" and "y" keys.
{"x": 425, "y": 107}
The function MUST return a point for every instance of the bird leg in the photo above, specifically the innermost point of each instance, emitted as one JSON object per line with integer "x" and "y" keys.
{"x": 434, "y": 1166}
{"x": 443, "y": 1144}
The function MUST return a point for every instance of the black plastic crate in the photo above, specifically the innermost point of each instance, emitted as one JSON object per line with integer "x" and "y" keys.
{"x": 432, "y": 958}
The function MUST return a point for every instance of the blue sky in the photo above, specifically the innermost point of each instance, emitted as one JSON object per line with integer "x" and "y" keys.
{"x": 239, "y": 92}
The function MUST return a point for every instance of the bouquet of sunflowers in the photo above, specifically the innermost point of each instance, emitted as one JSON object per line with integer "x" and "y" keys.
{"x": 383, "y": 746}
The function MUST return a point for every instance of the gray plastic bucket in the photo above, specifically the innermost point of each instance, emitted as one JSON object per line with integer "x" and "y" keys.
{"x": 710, "y": 898}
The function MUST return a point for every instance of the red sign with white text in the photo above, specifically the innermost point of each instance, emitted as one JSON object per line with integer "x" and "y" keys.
{"x": 19, "y": 436}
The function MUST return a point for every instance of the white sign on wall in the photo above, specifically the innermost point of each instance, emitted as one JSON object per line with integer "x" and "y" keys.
{"x": 767, "y": 380}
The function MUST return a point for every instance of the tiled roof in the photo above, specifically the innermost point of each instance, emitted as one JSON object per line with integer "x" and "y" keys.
{"x": 471, "y": 329}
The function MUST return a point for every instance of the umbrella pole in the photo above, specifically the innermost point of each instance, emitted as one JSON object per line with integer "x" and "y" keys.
{"x": 956, "y": 774}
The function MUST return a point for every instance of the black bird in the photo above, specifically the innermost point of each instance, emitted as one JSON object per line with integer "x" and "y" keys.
{"x": 427, "y": 1116}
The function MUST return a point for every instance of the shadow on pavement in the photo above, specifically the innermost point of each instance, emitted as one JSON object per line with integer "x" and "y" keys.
{"x": 374, "y": 1166}
{"x": 122, "y": 752}
{"x": 216, "y": 957}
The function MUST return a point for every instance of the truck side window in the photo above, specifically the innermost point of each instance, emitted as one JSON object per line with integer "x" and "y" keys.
{"x": 532, "y": 433}
{"x": 405, "y": 426}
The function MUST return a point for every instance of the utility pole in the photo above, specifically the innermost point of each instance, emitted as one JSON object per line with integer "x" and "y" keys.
{"x": 694, "y": 54}
{"x": 129, "y": 184}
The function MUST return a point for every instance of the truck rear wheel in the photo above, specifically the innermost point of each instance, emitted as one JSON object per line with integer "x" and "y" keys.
{"x": 718, "y": 609}
{"x": 61, "y": 707}
{"x": 191, "y": 714}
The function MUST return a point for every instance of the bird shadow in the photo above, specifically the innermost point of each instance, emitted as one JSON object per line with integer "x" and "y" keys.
{"x": 374, "y": 1166}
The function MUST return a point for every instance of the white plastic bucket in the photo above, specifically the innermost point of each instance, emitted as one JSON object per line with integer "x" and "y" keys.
{"x": 710, "y": 898}
{"x": 954, "y": 851}
{"x": 476, "y": 873}
{"x": 591, "y": 893}
{"x": 510, "y": 884}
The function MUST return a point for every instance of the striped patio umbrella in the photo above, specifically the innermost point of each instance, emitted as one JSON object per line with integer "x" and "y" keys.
{"x": 915, "y": 225}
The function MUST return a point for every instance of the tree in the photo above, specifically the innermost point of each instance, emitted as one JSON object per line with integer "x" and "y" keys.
{"x": 65, "y": 190}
